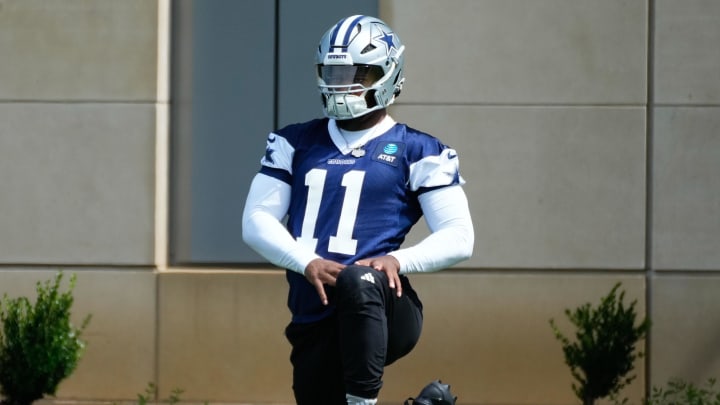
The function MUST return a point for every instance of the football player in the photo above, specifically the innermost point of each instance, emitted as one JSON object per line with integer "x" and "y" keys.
{"x": 350, "y": 186}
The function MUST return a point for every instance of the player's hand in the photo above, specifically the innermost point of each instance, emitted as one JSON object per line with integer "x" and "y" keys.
{"x": 319, "y": 272}
{"x": 388, "y": 265}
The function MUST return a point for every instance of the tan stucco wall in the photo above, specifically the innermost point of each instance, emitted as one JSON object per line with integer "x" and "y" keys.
{"x": 572, "y": 189}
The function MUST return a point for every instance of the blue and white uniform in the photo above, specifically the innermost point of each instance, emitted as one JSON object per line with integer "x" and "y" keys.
{"x": 346, "y": 207}
{"x": 336, "y": 204}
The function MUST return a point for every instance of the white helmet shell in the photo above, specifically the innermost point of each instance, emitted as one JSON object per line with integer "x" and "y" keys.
{"x": 369, "y": 56}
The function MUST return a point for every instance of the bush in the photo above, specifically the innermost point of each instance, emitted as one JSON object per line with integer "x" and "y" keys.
{"x": 39, "y": 347}
{"x": 148, "y": 396}
{"x": 679, "y": 392}
{"x": 603, "y": 352}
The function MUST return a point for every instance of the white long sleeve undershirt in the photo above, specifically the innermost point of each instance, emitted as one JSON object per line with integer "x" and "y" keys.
{"x": 266, "y": 205}
{"x": 445, "y": 210}
{"x": 451, "y": 239}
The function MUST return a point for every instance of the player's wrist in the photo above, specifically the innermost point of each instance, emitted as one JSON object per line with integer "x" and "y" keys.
{"x": 304, "y": 262}
{"x": 398, "y": 256}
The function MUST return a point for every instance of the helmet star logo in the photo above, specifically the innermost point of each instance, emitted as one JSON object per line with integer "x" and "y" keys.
{"x": 388, "y": 39}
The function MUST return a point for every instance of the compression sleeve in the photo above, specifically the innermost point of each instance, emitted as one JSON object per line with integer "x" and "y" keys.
{"x": 452, "y": 236}
{"x": 266, "y": 205}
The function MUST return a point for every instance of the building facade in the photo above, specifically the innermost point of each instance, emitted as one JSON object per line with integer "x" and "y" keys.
{"x": 588, "y": 133}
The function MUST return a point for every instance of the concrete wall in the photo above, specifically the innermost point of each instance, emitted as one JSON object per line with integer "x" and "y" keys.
{"x": 587, "y": 132}
{"x": 83, "y": 106}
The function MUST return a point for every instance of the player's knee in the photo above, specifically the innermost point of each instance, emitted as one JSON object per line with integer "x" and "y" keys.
{"x": 358, "y": 288}
{"x": 354, "y": 279}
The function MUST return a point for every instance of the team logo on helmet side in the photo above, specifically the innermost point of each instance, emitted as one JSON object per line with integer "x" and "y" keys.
{"x": 388, "y": 38}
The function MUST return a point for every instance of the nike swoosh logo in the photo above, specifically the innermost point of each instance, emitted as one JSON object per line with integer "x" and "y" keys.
{"x": 452, "y": 155}
{"x": 271, "y": 140}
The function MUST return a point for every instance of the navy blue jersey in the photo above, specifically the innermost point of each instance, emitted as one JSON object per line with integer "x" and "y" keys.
{"x": 347, "y": 208}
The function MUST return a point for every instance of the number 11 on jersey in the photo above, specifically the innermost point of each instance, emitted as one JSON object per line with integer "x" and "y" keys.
{"x": 342, "y": 242}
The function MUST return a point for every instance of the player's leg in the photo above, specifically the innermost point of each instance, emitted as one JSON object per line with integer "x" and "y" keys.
{"x": 375, "y": 326}
{"x": 363, "y": 328}
{"x": 405, "y": 320}
{"x": 317, "y": 367}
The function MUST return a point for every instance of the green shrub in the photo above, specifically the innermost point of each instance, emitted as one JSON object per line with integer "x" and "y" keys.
{"x": 39, "y": 346}
{"x": 603, "y": 352}
{"x": 679, "y": 392}
{"x": 148, "y": 396}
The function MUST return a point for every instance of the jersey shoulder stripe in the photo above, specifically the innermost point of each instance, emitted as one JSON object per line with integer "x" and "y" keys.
{"x": 432, "y": 163}
{"x": 282, "y": 144}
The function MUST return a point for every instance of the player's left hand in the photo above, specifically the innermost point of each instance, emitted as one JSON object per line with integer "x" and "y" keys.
{"x": 388, "y": 265}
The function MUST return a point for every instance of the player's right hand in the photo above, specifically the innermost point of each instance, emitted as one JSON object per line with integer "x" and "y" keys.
{"x": 321, "y": 271}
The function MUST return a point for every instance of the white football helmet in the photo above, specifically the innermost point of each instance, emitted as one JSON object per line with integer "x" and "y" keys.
{"x": 359, "y": 66}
